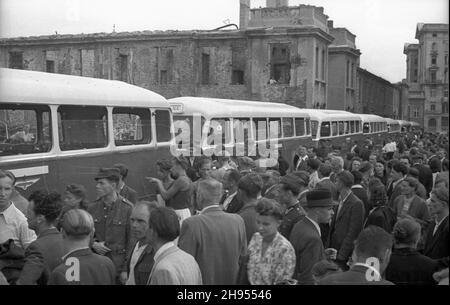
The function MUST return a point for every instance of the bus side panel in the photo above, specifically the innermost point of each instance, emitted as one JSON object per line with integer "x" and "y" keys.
{"x": 34, "y": 175}
{"x": 141, "y": 164}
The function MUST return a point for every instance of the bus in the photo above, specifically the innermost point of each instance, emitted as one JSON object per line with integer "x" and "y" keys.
{"x": 57, "y": 130}
{"x": 240, "y": 122}
{"x": 393, "y": 126}
{"x": 334, "y": 127}
{"x": 376, "y": 127}
{"x": 405, "y": 126}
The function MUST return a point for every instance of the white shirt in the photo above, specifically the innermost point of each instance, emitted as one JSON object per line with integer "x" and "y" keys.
{"x": 315, "y": 224}
{"x": 341, "y": 203}
{"x": 137, "y": 252}
{"x": 14, "y": 225}
{"x": 390, "y": 147}
{"x": 227, "y": 200}
{"x": 438, "y": 224}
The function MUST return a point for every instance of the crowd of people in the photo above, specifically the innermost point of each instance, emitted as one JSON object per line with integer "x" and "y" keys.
{"x": 369, "y": 214}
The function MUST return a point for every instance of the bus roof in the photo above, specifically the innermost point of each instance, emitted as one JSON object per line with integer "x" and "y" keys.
{"x": 371, "y": 118}
{"x": 404, "y": 123}
{"x": 19, "y": 86}
{"x": 391, "y": 121}
{"x": 223, "y": 108}
{"x": 331, "y": 115}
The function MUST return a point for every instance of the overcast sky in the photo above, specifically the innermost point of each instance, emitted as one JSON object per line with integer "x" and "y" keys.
{"x": 382, "y": 26}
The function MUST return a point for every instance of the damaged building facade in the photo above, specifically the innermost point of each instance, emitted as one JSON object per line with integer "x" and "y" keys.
{"x": 279, "y": 54}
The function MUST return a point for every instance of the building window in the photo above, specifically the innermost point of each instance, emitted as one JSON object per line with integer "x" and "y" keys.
{"x": 16, "y": 60}
{"x": 280, "y": 64}
{"x": 323, "y": 65}
{"x": 205, "y": 68}
{"x": 348, "y": 74}
{"x": 432, "y": 123}
{"x": 433, "y": 107}
{"x": 444, "y": 107}
{"x": 433, "y": 76}
{"x": 433, "y": 60}
{"x": 416, "y": 112}
{"x": 351, "y": 76}
{"x": 432, "y": 92}
{"x": 416, "y": 61}
{"x": 237, "y": 77}
{"x": 446, "y": 59}
{"x": 50, "y": 66}
{"x": 434, "y": 35}
{"x": 163, "y": 77}
{"x": 123, "y": 67}
{"x": 433, "y": 46}
{"x": 445, "y": 93}
{"x": 317, "y": 63}
{"x": 166, "y": 65}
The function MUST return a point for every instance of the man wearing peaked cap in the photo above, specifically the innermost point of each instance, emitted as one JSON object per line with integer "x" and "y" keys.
{"x": 306, "y": 235}
{"x": 290, "y": 188}
{"x": 111, "y": 214}
{"x": 124, "y": 190}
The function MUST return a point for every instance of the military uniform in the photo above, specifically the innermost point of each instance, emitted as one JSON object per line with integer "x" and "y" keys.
{"x": 292, "y": 215}
{"x": 129, "y": 194}
{"x": 112, "y": 226}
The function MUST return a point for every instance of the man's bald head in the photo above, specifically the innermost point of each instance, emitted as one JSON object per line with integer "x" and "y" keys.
{"x": 209, "y": 192}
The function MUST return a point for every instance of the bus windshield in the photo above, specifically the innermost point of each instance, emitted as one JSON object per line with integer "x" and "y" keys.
{"x": 24, "y": 129}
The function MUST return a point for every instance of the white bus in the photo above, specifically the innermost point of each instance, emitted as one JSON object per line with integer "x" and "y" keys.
{"x": 240, "y": 123}
{"x": 58, "y": 129}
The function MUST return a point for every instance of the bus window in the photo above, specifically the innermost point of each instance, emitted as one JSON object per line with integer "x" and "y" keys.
{"x": 308, "y": 127}
{"x": 314, "y": 127}
{"x": 352, "y": 126}
{"x": 131, "y": 126}
{"x": 347, "y": 127}
{"x": 260, "y": 133}
{"x": 325, "y": 129}
{"x": 341, "y": 128}
{"x": 299, "y": 127}
{"x": 162, "y": 123}
{"x": 366, "y": 128}
{"x": 273, "y": 121}
{"x": 357, "y": 126}
{"x": 24, "y": 129}
{"x": 288, "y": 127}
{"x": 82, "y": 127}
{"x": 334, "y": 128}
{"x": 224, "y": 129}
{"x": 241, "y": 130}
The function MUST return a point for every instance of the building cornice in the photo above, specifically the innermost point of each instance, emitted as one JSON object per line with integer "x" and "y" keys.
{"x": 290, "y": 31}
{"x": 332, "y": 49}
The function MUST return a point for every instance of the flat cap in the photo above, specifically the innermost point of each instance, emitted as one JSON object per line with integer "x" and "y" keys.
{"x": 108, "y": 173}
{"x": 246, "y": 162}
{"x": 365, "y": 167}
{"x": 319, "y": 198}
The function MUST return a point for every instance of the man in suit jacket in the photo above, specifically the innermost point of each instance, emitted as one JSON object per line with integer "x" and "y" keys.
{"x": 425, "y": 173}
{"x": 361, "y": 192}
{"x": 348, "y": 220}
{"x": 300, "y": 161}
{"x": 140, "y": 260}
{"x": 172, "y": 265}
{"x": 398, "y": 173}
{"x": 94, "y": 269}
{"x": 249, "y": 189}
{"x": 45, "y": 253}
{"x": 373, "y": 249}
{"x": 124, "y": 190}
{"x": 306, "y": 234}
{"x": 325, "y": 182}
{"x": 216, "y": 239}
{"x": 437, "y": 237}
